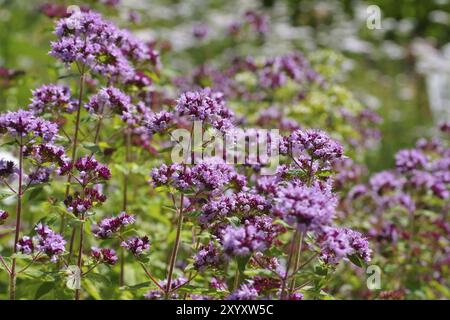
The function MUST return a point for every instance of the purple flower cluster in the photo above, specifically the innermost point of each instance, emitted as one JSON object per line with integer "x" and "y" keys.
{"x": 208, "y": 256}
{"x": 87, "y": 39}
{"x": 25, "y": 124}
{"x": 311, "y": 145}
{"x": 25, "y": 245}
{"x": 110, "y": 99}
{"x": 276, "y": 71}
{"x": 245, "y": 292}
{"x": 256, "y": 234}
{"x": 207, "y": 176}
{"x": 52, "y": 98}
{"x": 206, "y": 105}
{"x": 47, "y": 153}
{"x": 104, "y": 255}
{"x": 445, "y": 127}
{"x": 3, "y": 216}
{"x": 158, "y": 294}
{"x": 7, "y": 168}
{"x": 136, "y": 245}
{"x": 89, "y": 169}
{"x": 108, "y": 226}
{"x": 385, "y": 181}
{"x": 273, "y": 118}
{"x": 347, "y": 172}
{"x": 46, "y": 241}
{"x": 242, "y": 202}
{"x": 158, "y": 122}
{"x": 80, "y": 203}
{"x": 39, "y": 175}
{"x": 339, "y": 243}
{"x": 305, "y": 207}
{"x": 408, "y": 160}
{"x": 200, "y": 31}
{"x": 134, "y": 49}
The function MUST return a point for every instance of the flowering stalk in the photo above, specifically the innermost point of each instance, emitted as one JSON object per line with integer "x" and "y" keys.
{"x": 288, "y": 265}
{"x": 80, "y": 255}
{"x": 175, "y": 247}
{"x": 127, "y": 139}
{"x": 297, "y": 260}
{"x": 74, "y": 146}
{"x": 179, "y": 225}
{"x": 12, "y": 274}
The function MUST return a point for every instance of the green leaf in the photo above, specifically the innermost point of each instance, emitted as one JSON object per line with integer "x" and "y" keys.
{"x": 5, "y": 195}
{"x": 34, "y": 193}
{"x": 356, "y": 260}
{"x": 97, "y": 278}
{"x": 43, "y": 289}
{"x": 92, "y": 147}
{"x": 140, "y": 286}
{"x": 325, "y": 173}
{"x": 9, "y": 143}
{"x": 242, "y": 263}
{"x": 321, "y": 271}
{"x": 92, "y": 289}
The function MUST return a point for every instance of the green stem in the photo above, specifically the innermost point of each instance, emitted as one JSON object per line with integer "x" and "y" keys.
{"x": 297, "y": 260}
{"x": 80, "y": 258}
{"x": 12, "y": 274}
{"x": 288, "y": 265}
{"x": 127, "y": 140}
{"x": 74, "y": 155}
{"x": 173, "y": 257}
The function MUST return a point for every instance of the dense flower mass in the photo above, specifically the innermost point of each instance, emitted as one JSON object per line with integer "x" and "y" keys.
{"x": 408, "y": 160}
{"x": 104, "y": 255}
{"x": 206, "y": 105}
{"x": 243, "y": 202}
{"x": 108, "y": 226}
{"x": 110, "y": 100}
{"x": 158, "y": 122}
{"x": 305, "y": 207}
{"x": 136, "y": 245}
{"x": 25, "y": 245}
{"x": 255, "y": 235}
{"x": 207, "y": 175}
{"x": 46, "y": 241}
{"x": 22, "y": 124}
{"x": 7, "y": 168}
{"x": 212, "y": 223}
{"x": 48, "y": 153}
{"x": 244, "y": 292}
{"x": 52, "y": 98}
{"x": 308, "y": 146}
{"x": 89, "y": 170}
{"x": 80, "y": 203}
{"x": 49, "y": 242}
{"x": 87, "y": 39}
{"x": 337, "y": 244}
{"x": 208, "y": 256}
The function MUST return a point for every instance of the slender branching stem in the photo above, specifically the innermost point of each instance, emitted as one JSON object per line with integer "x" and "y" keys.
{"x": 80, "y": 258}
{"x": 5, "y": 265}
{"x": 176, "y": 245}
{"x": 74, "y": 152}
{"x": 288, "y": 265}
{"x": 30, "y": 263}
{"x": 12, "y": 274}
{"x": 152, "y": 278}
{"x": 127, "y": 140}
{"x": 300, "y": 238}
